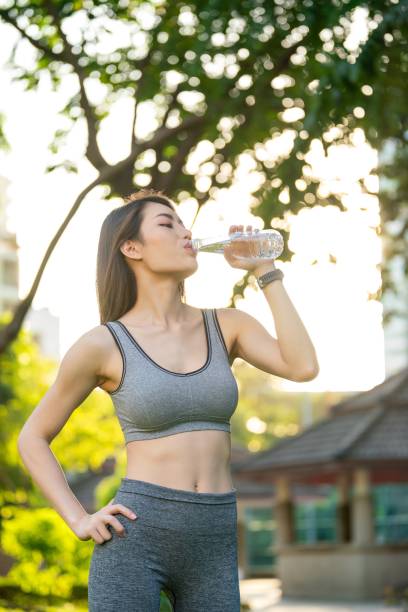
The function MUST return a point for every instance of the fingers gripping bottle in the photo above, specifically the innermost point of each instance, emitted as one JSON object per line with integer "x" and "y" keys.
{"x": 257, "y": 245}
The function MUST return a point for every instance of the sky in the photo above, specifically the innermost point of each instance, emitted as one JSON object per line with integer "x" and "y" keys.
{"x": 331, "y": 298}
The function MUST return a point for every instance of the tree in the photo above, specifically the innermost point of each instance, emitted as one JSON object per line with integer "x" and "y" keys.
{"x": 25, "y": 376}
{"x": 224, "y": 74}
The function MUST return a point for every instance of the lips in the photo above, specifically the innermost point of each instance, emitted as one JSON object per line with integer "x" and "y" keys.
{"x": 188, "y": 247}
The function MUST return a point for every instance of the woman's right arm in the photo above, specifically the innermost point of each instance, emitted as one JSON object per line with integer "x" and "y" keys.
{"x": 80, "y": 371}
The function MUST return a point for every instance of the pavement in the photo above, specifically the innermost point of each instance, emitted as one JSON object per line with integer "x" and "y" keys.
{"x": 264, "y": 595}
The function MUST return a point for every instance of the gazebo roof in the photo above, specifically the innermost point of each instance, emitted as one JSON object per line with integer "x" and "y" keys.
{"x": 392, "y": 391}
{"x": 370, "y": 426}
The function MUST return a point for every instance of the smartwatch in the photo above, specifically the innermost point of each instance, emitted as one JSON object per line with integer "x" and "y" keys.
{"x": 267, "y": 278}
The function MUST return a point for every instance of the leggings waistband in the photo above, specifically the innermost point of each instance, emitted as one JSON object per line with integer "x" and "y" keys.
{"x": 131, "y": 485}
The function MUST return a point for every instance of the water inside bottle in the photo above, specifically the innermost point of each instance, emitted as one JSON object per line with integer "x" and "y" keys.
{"x": 266, "y": 244}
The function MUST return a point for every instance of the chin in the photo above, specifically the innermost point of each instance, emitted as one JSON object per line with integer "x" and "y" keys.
{"x": 187, "y": 274}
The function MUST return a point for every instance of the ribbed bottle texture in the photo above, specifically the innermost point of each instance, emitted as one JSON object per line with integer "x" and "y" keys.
{"x": 254, "y": 245}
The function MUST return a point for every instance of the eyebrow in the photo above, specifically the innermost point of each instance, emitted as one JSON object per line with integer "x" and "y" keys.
{"x": 169, "y": 216}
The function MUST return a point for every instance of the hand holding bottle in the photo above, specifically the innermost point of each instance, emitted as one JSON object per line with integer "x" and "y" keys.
{"x": 234, "y": 248}
{"x": 244, "y": 249}
{"x": 243, "y": 254}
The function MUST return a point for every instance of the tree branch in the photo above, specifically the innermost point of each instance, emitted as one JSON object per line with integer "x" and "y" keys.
{"x": 163, "y": 133}
{"x": 10, "y": 331}
{"x": 156, "y": 175}
{"x": 92, "y": 151}
{"x": 35, "y": 43}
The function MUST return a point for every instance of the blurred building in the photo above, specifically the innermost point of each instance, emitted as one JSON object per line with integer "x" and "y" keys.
{"x": 45, "y": 330}
{"x": 41, "y": 323}
{"x": 396, "y": 331}
{"x": 339, "y": 510}
{"x": 255, "y": 520}
{"x": 8, "y": 257}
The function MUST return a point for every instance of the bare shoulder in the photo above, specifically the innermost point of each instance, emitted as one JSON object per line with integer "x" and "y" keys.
{"x": 91, "y": 349}
{"x": 96, "y": 339}
{"x": 230, "y": 316}
{"x": 228, "y": 320}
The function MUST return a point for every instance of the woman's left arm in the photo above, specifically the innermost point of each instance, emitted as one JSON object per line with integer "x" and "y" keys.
{"x": 291, "y": 355}
{"x": 295, "y": 345}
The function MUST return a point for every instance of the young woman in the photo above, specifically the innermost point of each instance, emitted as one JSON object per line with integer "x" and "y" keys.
{"x": 172, "y": 524}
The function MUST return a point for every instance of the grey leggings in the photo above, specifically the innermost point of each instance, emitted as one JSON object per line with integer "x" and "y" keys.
{"x": 183, "y": 542}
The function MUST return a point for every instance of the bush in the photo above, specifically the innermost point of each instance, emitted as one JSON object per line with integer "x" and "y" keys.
{"x": 50, "y": 559}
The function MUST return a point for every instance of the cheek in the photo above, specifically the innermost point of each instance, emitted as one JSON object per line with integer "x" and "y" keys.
{"x": 161, "y": 253}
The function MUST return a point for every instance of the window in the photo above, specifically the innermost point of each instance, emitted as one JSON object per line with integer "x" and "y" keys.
{"x": 315, "y": 514}
{"x": 391, "y": 512}
{"x": 259, "y": 538}
{"x": 10, "y": 273}
{"x": 7, "y": 305}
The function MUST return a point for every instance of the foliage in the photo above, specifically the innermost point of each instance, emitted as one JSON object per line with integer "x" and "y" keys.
{"x": 397, "y": 595}
{"x": 91, "y": 435}
{"x": 222, "y": 81}
{"x": 51, "y": 560}
{"x": 25, "y": 377}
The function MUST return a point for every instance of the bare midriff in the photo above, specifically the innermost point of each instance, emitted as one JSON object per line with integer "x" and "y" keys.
{"x": 191, "y": 460}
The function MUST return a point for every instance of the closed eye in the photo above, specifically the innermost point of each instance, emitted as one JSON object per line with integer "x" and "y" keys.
{"x": 166, "y": 224}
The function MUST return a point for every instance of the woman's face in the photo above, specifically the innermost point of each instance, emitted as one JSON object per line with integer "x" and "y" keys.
{"x": 164, "y": 235}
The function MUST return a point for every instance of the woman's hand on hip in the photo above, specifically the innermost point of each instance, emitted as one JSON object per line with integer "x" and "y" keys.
{"x": 95, "y": 525}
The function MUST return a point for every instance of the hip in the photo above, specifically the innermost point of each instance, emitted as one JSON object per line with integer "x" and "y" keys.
{"x": 178, "y": 509}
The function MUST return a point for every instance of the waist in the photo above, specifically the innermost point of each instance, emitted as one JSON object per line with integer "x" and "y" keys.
{"x": 160, "y": 509}
{"x": 191, "y": 461}
{"x": 144, "y": 487}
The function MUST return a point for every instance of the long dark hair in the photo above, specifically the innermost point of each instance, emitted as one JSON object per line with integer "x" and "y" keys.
{"x": 116, "y": 286}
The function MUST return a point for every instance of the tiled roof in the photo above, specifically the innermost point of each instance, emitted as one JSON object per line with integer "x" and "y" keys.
{"x": 370, "y": 426}
{"x": 238, "y": 453}
{"x": 251, "y": 490}
{"x": 393, "y": 390}
{"x": 388, "y": 440}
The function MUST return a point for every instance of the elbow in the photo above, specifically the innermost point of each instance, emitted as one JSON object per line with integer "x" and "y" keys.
{"x": 312, "y": 375}
{"x": 24, "y": 441}
{"x": 309, "y": 374}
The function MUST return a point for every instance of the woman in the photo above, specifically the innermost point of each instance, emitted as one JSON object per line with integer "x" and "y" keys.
{"x": 167, "y": 366}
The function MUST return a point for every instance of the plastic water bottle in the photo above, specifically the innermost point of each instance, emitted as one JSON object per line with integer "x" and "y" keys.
{"x": 256, "y": 245}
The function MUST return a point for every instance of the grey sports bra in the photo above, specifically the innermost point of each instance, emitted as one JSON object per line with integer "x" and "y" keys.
{"x": 152, "y": 402}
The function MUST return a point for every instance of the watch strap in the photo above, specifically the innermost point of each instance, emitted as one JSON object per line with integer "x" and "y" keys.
{"x": 269, "y": 277}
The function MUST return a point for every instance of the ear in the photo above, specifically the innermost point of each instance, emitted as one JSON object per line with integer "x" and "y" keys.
{"x": 131, "y": 249}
